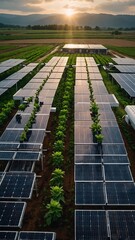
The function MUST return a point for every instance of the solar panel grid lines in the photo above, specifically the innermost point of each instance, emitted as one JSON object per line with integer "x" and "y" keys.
{"x": 122, "y": 224}
{"x": 7, "y": 235}
{"x": 126, "y": 81}
{"x": 11, "y": 214}
{"x": 124, "y": 61}
{"x": 8, "y": 64}
{"x": 100, "y": 224}
{"x": 81, "y": 159}
{"x": 7, "y": 156}
{"x": 27, "y": 156}
{"x": 17, "y": 186}
{"x": 37, "y": 235}
{"x": 125, "y": 68}
{"x": 88, "y": 172}
{"x": 90, "y": 193}
{"x": 119, "y": 172}
{"x": 90, "y": 225}
{"x": 120, "y": 193}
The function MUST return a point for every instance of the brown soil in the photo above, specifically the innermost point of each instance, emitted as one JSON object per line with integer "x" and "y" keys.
{"x": 35, "y": 211}
{"x": 113, "y": 42}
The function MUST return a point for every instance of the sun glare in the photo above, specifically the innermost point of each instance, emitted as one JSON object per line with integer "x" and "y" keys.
{"x": 69, "y": 12}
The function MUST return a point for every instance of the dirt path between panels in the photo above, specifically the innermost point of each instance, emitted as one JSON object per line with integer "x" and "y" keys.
{"x": 111, "y": 42}
{"x": 46, "y": 55}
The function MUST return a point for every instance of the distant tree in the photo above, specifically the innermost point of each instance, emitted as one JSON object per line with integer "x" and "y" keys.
{"x": 97, "y": 28}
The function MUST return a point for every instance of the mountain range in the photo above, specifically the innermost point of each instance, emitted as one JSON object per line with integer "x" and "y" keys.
{"x": 80, "y": 19}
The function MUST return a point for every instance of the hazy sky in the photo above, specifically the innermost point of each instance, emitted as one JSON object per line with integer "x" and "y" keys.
{"x": 61, "y": 6}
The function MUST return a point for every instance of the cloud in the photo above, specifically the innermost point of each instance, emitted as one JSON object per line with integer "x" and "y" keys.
{"x": 23, "y": 5}
{"x": 116, "y": 7}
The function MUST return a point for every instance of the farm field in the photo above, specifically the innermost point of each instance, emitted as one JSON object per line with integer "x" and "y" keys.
{"x": 61, "y": 34}
{"x": 64, "y": 102}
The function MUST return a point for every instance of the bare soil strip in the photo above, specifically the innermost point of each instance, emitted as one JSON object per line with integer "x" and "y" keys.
{"x": 113, "y": 42}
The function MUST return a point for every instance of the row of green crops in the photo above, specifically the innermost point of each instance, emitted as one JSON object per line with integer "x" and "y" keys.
{"x": 30, "y": 53}
{"x": 54, "y": 208}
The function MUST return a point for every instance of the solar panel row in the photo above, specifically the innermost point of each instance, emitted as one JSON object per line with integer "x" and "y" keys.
{"x": 6, "y": 235}
{"x": 104, "y": 225}
{"x": 102, "y": 175}
{"x": 16, "y": 185}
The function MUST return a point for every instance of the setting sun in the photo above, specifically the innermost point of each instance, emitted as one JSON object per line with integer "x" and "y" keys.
{"x": 69, "y": 12}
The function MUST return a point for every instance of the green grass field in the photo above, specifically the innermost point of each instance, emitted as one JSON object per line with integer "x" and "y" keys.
{"x": 62, "y": 34}
{"x": 30, "y": 53}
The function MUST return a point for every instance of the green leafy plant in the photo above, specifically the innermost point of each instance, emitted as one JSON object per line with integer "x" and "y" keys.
{"x": 96, "y": 128}
{"x": 57, "y": 159}
{"x": 99, "y": 138}
{"x": 54, "y": 212}
{"x": 57, "y": 177}
{"x": 59, "y": 145}
{"x": 57, "y": 193}
{"x": 60, "y": 135}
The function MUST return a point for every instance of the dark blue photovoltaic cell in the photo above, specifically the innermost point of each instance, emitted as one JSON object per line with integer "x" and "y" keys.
{"x": 88, "y": 172}
{"x": 15, "y": 185}
{"x": 89, "y": 193}
{"x": 115, "y": 160}
{"x": 122, "y": 225}
{"x": 11, "y": 213}
{"x": 88, "y": 159}
{"x": 107, "y": 149}
{"x": 120, "y": 193}
{"x": 37, "y": 236}
{"x": 27, "y": 156}
{"x": 90, "y": 225}
{"x": 8, "y": 235}
{"x": 6, "y": 155}
{"x": 117, "y": 173}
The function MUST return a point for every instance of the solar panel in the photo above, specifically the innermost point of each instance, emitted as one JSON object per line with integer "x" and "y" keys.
{"x": 125, "y": 68}
{"x": 88, "y": 159}
{"x": 3, "y": 90}
{"x": 93, "y": 69}
{"x": 120, "y": 193}
{"x": 56, "y": 75}
{"x": 27, "y": 156}
{"x": 21, "y": 166}
{"x": 107, "y": 149}
{"x": 41, "y": 75}
{"x": 8, "y": 235}
{"x": 89, "y": 193}
{"x": 127, "y": 61}
{"x": 18, "y": 125}
{"x": 122, "y": 224}
{"x": 4, "y": 69}
{"x": 90, "y": 225}
{"x": 37, "y": 236}
{"x": 117, "y": 173}
{"x": 126, "y": 81}
{"x": 6, "y": 156}
{"x": 32, "y": 85}
{"x": 17, "y": 76}
{"x": 30, "y": 147}
{"x": 82, "y": 116}
{"x": 7, "y": 83}
{"x": 88, "y": 172}
{"x": 34, "y": 136}
{"x": 84, "y": 134}
{"x": 95, "y": 76}
{"x": 11, "y": 214}
{"x": 115, "y": 160}
{"x": 17, "y": 186}
{"x": 8, "y": 146}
